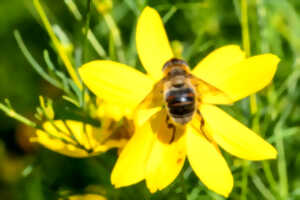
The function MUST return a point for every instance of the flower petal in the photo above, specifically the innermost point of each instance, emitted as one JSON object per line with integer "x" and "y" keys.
{"x": 115, "y": 82}
{"x": 241, "y": 79}
{"x": 152, "y": 43}
{"x": 208, "y": 163}
{"x": 219, "y": 59}
{"x": 110, "y": 110}
{"x": 166, "y": 159}
{"x": 206, "y": 69}
{"x": 59, "y": 137}
{"x": 234, "y": 137}
{"x": 85, "y": 197}
{"x": 131, "y": 164}
{"x": 142, "y": 115}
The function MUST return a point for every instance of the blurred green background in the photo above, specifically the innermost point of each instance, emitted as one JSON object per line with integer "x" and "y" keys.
{"x": 28, "y": 171}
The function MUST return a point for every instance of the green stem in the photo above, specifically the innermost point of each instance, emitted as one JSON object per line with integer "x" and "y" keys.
{"x": 95, "y": 43}
{"x": 34, "y": 63}
{"x": 115, "y": 32}
{"x": 169, "y": 14}
{"x": 183, "y": 186}
{"x": 244, "y": 184}
{"x": 253, "y": 104}
{"x": 261, "y": 187}
{"x": 86, "y": 28}
{"x": 281, "y": 164}
{"x": 11, "y": 113}
{"x": 245, "y": 28}
{"x": 270, "y": 177}
{"x": 74, "y": 10}
{"x": 60, "y": 50}
{"x": 283, "y": 180}
{"x": 90, "y": 35}
{"x": 246, "y": 45}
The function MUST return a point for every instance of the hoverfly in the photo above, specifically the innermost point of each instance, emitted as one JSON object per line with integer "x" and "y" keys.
{"x": 180, "y": 92}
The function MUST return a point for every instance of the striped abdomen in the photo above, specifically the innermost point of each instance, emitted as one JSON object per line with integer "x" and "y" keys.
{"x": 181, "y": 104}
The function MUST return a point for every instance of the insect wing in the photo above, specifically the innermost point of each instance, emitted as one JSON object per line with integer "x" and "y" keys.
{"x": 155, "y": 97}
{"x": 151, "y": 104}
{"x": 207, "y": 93}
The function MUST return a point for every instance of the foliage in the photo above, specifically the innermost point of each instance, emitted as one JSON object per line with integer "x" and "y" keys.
{"x": 106, "y": 30}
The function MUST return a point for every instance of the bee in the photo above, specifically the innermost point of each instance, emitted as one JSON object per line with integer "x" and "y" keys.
{"x": 180, "y": 92}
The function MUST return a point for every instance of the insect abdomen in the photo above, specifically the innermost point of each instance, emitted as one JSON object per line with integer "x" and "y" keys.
{"x": 181, "y": 104}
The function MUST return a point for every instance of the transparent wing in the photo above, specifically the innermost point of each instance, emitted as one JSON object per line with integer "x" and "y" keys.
{"x": 155, "y": 97}
{"x": 208, "y": 93}
{"x": 150, "y": 105}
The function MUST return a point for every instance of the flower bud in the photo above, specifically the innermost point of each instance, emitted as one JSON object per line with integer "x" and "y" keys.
{"x": 103, "y": 6}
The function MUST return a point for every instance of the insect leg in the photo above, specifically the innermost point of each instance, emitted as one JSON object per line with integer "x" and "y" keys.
{"x": 205, "y": 134}
{"x": 171, "y": 126}
{"x": 202, "y": 122}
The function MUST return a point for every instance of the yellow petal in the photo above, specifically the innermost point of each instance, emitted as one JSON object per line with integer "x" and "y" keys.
{"x": 111, "y": 110}
{"x": 152, "y": 43}
{"x": 166, "y": 159}
{"x": 208, "y": 163}
{"x": 219, "y": 59}
{"x": 243, "y": 78}
{"x": 131, "y": 164}
{"x": 165, "y": 163}
{"x": 85, "y": 197}
{"x": 206, "y": 69}
{"x": 59, "y": 137}
{"x": 120, "y": 143}
{"x": 114, "y": 134}
{"x": 234, "y": 137}
{"x": 142, "y": 115}
{"x": 115, "y": 82}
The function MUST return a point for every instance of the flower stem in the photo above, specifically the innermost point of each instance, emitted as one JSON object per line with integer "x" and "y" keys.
{"x": 13, "y": 114}
{"x": 34, "y": 63}
{"x": 115, "y": 32}
{"x": 86, "y": 28}
{"x": 90, "y": 35}
{"x": 183, "y": 186}
{"x": 283, "y": 180}
{"x": 281, "y": 163}
{"x": 73, "y": 9}
{"x": 245, "y": 28}
{"x": 265, "y": 192}
{"x": 96, "y": 44}
{"x": 57, "y": 44}
{"x": 245, "y": 172}
{"x": 270, "y": 178}
{"x": 265, "y": 47}
{"x": 253, "y": 104}
{"x": 246, "y": 45}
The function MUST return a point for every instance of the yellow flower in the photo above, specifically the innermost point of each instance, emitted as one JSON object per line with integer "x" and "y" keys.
{"x": 77, "y": 139}
{"x": 85, "y": 197}
{"x": 149, "y": 155}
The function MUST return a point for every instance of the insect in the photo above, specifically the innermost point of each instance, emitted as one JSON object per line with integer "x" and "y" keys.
{"x": 180, "y": 92}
